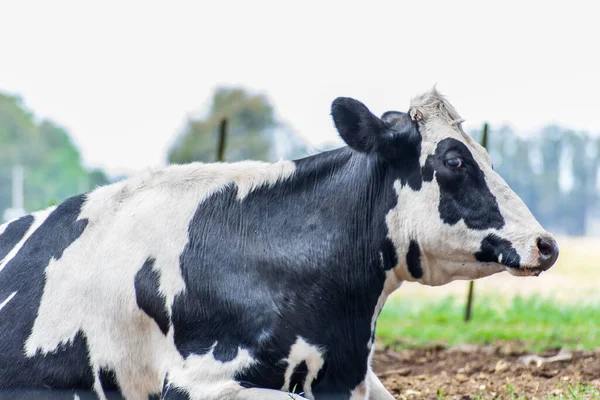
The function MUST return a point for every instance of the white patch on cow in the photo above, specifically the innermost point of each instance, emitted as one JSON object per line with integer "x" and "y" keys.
{"x": 76, "y": 397}
{"x": 9, "y": 298}
{"x": 39, "y": 218}
{"x": 203, "y": 377}
{"x": 97, "y": 386}
{"x": 90, "y": 289}
{"x": 266, "y": 394}
{"x": 312, "y": 355}
{"x": 376, "y": 389}
{"x": 360, "y": 392}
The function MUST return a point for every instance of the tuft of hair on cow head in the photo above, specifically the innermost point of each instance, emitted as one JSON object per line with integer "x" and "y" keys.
{"x": 389, "y": 136}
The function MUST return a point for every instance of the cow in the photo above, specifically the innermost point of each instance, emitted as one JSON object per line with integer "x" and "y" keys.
{"x": 254, "y": 280}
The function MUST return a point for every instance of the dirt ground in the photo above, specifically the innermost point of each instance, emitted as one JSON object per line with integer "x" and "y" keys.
{"x": 468, "y": 372}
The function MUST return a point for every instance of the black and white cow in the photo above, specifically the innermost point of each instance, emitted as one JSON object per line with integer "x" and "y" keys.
{"x": 251, "y": 280}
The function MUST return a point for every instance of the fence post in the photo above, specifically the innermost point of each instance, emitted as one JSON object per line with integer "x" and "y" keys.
{"x": 468, "y": 310}
{"x": 221, "y": 144}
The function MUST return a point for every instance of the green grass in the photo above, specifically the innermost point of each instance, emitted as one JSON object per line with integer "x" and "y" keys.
{"x": 569, "y": 392}
{"x": 537, "y": 322}
{"x": 580, "y": 391}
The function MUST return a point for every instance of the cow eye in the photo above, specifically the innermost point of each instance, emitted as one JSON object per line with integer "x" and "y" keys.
{"x": 455, "y": 162}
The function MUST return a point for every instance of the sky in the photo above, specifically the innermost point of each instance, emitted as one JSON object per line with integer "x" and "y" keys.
{"x": 123, "y": 76}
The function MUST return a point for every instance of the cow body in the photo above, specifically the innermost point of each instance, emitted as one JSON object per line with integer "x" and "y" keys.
{"x": 244, "y": 280}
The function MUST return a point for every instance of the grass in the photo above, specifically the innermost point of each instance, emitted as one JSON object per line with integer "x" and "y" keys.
{"x": 570, "y": 392}
{"x": 567, "y": 392}
{"x": 580, "y": 391}
{"x": 536, "y": 321}
{"x": 292, "y": 394}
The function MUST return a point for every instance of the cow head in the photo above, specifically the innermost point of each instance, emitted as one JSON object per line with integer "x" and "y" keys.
{"x": 455, "y": 218}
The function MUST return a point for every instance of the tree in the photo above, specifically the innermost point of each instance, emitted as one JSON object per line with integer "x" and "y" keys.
{"x": 16, "y": 130}
{"x": 58, "y": 172}
{"x": 97, "y": 177}
{"x": 52, "y": 163}
{"x": 579, "y": 200}
{"x": 253, "y": 131}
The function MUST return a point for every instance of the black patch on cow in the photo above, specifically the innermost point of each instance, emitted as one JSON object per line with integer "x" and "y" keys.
{"x": 298, "y": 378}
{"x": 327, "y": 389}
{"x": 224, "y": 351}
{"x": 13, "y": 233}
{"x": 170, "y": 392}
{"x": 427, "y": 170}
{"x": 388, "y": 254}
{"x": 413, "y": 260}
{"x": 400, "y": 146}
{"x": 464, "y": 193}
{"x": 493, "y": 246}
{"x": 108, "y": 379}
{"x": 301, "y": 258}
{"x": 148, "y": 296}
{"x": 67, "y": 366}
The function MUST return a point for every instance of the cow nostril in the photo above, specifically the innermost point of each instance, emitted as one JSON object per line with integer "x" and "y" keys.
{"x": 548, "y": 250}
{"x": 545, "y": 247}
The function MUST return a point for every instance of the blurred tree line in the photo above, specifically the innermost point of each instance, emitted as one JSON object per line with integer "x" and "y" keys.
{"x": 52, "y": 163}
{"x": 556, "y": 172}
{"x": 253, "y": 131}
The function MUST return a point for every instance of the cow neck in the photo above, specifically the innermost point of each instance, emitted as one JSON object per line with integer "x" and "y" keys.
{"x": 350, "y": 193}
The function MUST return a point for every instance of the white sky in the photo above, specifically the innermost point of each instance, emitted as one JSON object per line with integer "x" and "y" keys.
{"x": 121, "y": 76}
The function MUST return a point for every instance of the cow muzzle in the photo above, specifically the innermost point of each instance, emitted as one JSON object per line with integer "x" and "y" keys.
{"x": 548, "y": 252}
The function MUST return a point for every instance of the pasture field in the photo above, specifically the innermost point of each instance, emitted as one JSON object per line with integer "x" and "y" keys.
{"x": 537, "y": 322}
{"x": 432, "y": 353}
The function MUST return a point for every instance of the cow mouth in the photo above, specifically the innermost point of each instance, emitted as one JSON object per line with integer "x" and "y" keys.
{"x": 525, "y": 271}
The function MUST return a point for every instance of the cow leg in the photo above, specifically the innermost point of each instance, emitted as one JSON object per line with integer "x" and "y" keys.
{"x": 376, "y": 389}
{"x": 266, "y": 394}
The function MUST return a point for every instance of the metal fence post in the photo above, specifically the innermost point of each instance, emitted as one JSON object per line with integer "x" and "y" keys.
{"x": 468, "y": 310}
{"x": 221, "y": 144}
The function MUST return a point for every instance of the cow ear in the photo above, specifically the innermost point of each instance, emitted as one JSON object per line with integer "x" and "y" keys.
{"x": 402, "y": 139}
{"x": 391, "y": 118}
{"x": 358, "y": 127}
